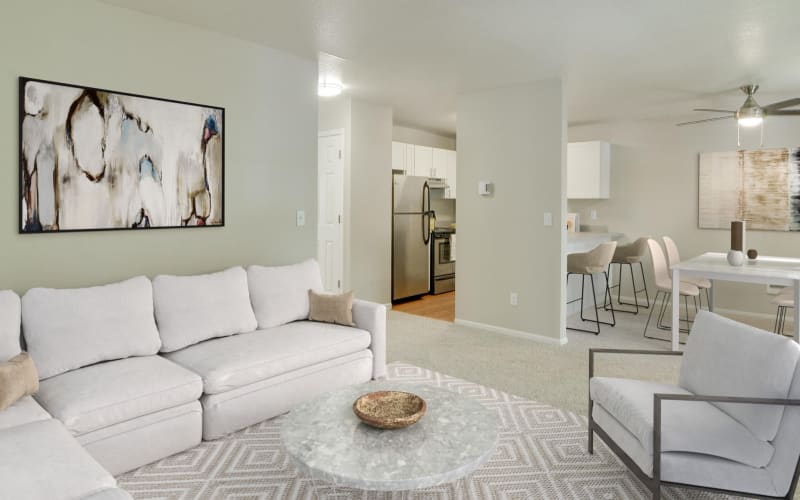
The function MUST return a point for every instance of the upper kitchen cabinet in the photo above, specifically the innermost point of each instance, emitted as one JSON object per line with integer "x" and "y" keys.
{"x": 423, "y": 161}
{"x": 439, "y": 167}
{"x": 588, "y": 170}
{"x": 403, "y": 157}
{"x": 451, "y": 174}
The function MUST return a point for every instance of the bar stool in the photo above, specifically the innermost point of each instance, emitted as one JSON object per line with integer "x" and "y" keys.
{"x": 784, "y": 301}
{"x": 674, "y": 258}
{"x": 595, "y": 261}
{"x": 628, "y": 255}
{"x": 664, "y": 288}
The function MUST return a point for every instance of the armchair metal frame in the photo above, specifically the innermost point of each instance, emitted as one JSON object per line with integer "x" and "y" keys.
{"x": 654, "y": 483}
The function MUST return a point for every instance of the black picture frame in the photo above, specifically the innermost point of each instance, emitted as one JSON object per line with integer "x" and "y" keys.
{"x": 21, "y": 223}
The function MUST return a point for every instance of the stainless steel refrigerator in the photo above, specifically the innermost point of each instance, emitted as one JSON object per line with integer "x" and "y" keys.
{"x": 412, "y": 221}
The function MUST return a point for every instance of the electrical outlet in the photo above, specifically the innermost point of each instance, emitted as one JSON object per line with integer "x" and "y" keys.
{"x": 593, "y": 214}
{"x": 301, "y": 218}
{"x": 514, "y": 298}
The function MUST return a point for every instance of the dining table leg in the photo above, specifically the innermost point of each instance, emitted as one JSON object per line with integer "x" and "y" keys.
{"x": 676, "y": 307}
{"x": 711, "y": 296}
{"x": 795, "y": 321}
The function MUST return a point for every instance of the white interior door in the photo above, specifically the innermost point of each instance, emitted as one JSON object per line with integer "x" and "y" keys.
{"x": 330, "y": 203}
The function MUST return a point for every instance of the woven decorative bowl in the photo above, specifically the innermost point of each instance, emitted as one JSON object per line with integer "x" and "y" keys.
{"x": 389, "y": 409}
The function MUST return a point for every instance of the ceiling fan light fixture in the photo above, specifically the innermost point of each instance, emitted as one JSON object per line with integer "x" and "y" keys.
{"x": 329, "y": 89}
{"x": 751, "y": 121}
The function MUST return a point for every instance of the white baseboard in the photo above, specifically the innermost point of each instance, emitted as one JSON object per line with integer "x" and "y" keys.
{"x": 388, "y": 306}
{"x": 510, "y": 332}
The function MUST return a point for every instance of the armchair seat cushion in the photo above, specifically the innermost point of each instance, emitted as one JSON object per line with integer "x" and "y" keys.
{"x": 108, "y": 393}
{"x": 690, "y": 427}
{"x": 232, "y": 362}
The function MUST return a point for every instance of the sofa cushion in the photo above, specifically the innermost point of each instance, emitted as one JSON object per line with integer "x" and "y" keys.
{"x": 232, "y": 362}
{"x": 693, "y": 427}
{"x": 24, "y": 411}
{"x": 280, "y": 294}
{"x": 727, "y": 358}
{"x": 190, "y": 309}
{"x": 70, "y": 328}
{"x": 48, "y": 464}
{"x": 9, "y": 324}
{"x": 109, "y": 393}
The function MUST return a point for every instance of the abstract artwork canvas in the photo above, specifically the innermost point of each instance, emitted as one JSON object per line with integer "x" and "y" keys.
{"x": 760, "y": 186}
{"x": 93, "y": 159}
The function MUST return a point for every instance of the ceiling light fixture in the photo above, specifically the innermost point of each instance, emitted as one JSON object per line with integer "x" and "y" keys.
{"x": 329, "y": 89}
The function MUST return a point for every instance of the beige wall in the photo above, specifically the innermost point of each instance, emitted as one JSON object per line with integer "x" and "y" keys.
{"x": 412, "y": 135}
{"x": 367, "y": 193}
{"x": 270, "y": 140}
{"x": 654, "y": 191}
{"x": 371, "y": 201}
{"x": 514, "y": 137}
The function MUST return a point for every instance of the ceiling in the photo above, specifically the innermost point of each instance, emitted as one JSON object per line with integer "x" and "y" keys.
{"x": 618, "y": 58}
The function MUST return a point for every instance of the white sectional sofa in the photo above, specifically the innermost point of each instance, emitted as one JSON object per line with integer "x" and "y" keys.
{"x": 135, "y": 371}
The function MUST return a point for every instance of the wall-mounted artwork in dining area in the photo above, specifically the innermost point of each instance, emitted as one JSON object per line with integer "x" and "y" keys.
{"x": 93, "y": 159}
{"x": 760, "y": 186}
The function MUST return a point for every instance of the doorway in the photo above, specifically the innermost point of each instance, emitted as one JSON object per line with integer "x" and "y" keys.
{"x": 330, "y": 207}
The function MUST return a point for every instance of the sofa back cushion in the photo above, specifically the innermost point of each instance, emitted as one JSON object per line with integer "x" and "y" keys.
{"x": 70, "y": 328}
{"x": 190, "y": 309}
{"x": 280, "y": 293}
{"x": 9, "y": 325}
{"x": 726, "y": 358}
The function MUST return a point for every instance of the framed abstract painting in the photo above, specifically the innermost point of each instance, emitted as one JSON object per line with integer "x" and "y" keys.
{"x": 94, "y": 159}
{"x": 760, "y": 186}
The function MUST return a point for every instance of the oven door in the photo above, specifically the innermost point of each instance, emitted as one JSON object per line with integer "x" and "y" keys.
{"x": 442, "y": 265}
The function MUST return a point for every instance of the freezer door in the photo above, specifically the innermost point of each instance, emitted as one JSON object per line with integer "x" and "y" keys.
{"x": 411, "y": 258}
{"x": 408, "y": 194}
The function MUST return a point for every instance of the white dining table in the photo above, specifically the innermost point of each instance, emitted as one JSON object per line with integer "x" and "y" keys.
{"x": 714, "y": 266}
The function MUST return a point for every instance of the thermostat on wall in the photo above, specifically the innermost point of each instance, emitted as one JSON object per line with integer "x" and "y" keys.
{"x": 484, "y": 188}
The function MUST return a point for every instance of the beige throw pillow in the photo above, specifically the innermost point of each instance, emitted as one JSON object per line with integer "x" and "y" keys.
{"x": 331, "y": 308}
{"x": 18, "y": 378}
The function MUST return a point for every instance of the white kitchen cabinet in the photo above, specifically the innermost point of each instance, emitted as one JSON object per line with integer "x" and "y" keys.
{"x": 588, "y": 170}
{"x": 439, "y": 167}
{"x": 403, "y": 157}
{"x": 451, "y": 174}
{"x": 423, "y": 160}
{"x": 399, "y": 156}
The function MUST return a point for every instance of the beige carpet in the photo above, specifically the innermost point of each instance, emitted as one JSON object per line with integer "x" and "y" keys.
{"x": 540, "y": 455}
{"x": 552, "y": 374}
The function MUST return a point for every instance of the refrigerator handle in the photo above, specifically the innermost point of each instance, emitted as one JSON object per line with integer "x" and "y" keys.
{"x": 426, "y": 213}
{"x": 426, "y": 198}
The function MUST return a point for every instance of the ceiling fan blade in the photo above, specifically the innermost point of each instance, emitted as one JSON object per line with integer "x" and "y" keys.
{"x": 706, "y": 120}
{"x": 715, "y": 110}
{"x": 782, "y": 104}
{"x": 785, "y": 112}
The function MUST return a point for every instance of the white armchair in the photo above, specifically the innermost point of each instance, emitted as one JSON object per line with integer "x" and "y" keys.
{"x": 729, "y": 426}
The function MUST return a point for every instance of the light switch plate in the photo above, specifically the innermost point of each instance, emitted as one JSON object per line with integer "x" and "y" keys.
{"x": 548, "y": 219}
{"x": 593, "y": 214}
{"x": 301, "y": 218}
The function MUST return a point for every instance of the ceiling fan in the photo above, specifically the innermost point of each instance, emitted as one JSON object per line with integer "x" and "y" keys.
{"x": 751, "y": 114}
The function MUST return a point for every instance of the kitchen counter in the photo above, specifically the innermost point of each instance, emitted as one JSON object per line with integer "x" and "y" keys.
{"x": 585, "y": 241}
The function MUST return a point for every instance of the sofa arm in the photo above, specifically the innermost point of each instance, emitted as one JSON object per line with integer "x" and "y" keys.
{"x": 371, "y": 317}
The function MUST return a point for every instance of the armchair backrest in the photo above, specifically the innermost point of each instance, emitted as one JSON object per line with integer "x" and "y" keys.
{"x": 727, "y": 358}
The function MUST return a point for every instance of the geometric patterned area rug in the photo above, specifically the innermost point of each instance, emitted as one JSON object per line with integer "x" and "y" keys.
{"x": 541, "y": 454}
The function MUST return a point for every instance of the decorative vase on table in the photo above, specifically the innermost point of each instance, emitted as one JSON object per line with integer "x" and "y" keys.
{"x": 736, "y": 253}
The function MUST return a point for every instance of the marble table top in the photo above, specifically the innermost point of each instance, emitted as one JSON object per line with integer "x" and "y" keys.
{"x": 325, "y": 438}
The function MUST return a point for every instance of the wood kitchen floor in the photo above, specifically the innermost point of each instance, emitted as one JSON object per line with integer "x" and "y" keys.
{"x": 442, "y": 306}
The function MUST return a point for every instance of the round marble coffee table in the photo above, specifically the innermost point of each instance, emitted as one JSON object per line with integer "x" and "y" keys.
{"x": 329, "y": 443}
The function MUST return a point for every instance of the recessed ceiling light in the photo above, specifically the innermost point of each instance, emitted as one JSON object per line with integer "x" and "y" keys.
{"x": 329, "y": 89}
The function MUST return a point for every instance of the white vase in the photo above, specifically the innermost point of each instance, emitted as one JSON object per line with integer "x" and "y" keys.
{"x": 735, "y": 258}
